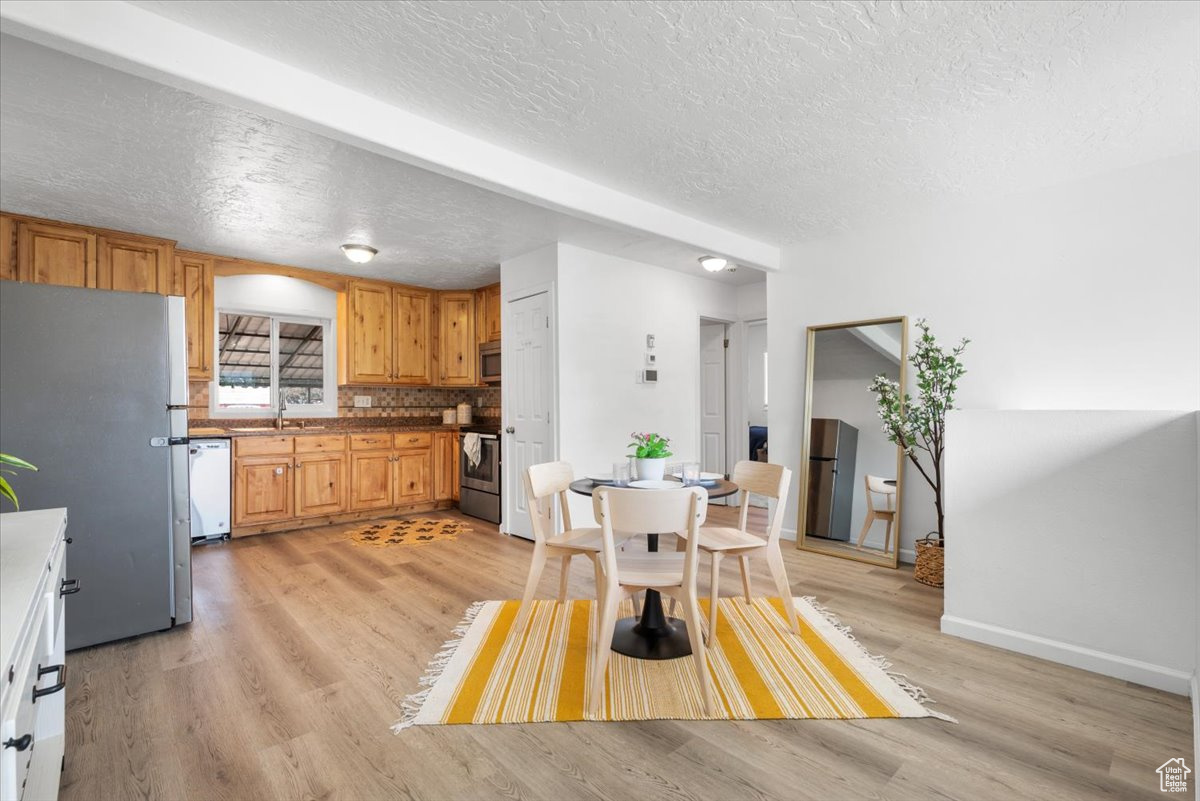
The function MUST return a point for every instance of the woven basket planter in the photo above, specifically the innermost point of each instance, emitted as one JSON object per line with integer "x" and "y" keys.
{"x": 931, "y": 562}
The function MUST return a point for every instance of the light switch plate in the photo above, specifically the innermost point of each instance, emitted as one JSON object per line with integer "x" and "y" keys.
{"x": 362, "y": 401}
{"x": 649, "y": 340}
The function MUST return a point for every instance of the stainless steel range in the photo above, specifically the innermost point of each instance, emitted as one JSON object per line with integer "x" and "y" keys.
{"x": 479, "y": 481}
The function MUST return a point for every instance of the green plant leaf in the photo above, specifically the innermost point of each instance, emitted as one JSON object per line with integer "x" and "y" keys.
{"x": 15, "y": 461}
{"x": 7, "y": 492}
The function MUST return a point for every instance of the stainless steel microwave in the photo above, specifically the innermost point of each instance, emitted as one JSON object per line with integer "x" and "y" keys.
{"x": 489, "y": 362}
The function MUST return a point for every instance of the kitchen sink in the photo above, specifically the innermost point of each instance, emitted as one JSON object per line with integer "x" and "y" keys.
{"x": 284, "y": 429}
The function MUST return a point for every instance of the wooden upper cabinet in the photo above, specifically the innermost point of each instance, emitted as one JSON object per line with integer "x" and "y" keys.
{"x": 8, "y": 248}
{"x": 192, "y": 278}
{"x": 48, "y": 253}
{"x": 457, "y": 346}
{"x": 135, "y": 264}
{"x": 413, "y": 309}
{"x": 492, "y": 306}
{"x": 371, "y": 332}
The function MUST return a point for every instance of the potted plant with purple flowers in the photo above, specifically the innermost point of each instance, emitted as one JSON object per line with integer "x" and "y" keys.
{"x": 651, "y": 451}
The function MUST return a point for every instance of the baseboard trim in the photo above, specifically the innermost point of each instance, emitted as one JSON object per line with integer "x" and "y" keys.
{"x": 1120, "y": 667}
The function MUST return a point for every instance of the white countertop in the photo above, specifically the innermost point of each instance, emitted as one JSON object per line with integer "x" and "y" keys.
{"x": 26, "y": 541}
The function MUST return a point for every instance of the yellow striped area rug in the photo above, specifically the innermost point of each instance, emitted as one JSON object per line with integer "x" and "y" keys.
{"x": 490, "y": 673}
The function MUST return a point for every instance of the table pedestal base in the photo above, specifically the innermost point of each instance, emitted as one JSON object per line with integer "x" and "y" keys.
{"x": 654, "y": 635}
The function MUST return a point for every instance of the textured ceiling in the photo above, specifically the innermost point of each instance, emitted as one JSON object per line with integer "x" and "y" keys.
{"x": 783, "y": 120}
{"x": 89, "y": 144}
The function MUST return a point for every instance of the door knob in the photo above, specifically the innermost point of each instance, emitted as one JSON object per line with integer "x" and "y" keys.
{"x": 510, "y": 430}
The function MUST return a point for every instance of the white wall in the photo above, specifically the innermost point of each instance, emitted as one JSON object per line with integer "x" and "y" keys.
{"x": 606, "y": 306}
{"x": 849, "y": 400}
{"x": 1074, "y": 538}
{"x": 752, "y": 301}
{"x": 1080, "y": 296}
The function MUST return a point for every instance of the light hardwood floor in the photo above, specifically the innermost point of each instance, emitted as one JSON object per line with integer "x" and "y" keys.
{"x": 304, "y": 645}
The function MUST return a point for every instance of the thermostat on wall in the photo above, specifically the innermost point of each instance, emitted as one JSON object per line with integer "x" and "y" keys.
{"x": 648, "y": 376}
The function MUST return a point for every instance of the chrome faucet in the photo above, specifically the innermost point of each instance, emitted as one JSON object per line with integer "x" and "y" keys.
{"x": 279, "y": 414}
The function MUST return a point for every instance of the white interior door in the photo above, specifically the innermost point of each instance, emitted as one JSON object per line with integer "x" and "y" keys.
{"x": 712, "y": 397}
{"x": 528, "y": 378}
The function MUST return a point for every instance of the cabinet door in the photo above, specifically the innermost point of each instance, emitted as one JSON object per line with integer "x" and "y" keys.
{"x": 262, "y": 489}
{"x": 321, "y": 484}
{"x": 135, "y": 264}
{"x": 371, "y": 332}
{"x": 445, "y": 466}
{"x": 371, "y": 480}
{"x": 193, "y": 279}
{"x": 8, "y": 248}
{"x": 492, "y": 302}
{"x": 457, "y": 347}
{"x": 413, "y": 477}
{"x": 414, "y": 319}
{"x": 56, "y": 254}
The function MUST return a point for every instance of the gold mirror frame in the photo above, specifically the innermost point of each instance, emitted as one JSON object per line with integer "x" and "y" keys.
{"x": 849, "y": 552}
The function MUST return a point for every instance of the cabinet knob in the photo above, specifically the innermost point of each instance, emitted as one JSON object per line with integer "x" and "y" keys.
{"x": 279, "y": 471}
{"x": 19, "y": 743}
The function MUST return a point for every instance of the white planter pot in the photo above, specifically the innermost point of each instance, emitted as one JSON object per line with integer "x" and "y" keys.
{"x": 651, "y": 469}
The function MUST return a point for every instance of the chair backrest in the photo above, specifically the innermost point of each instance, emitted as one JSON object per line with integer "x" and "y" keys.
{"x": 769, "y": 480}
{"x": 650, "y": 512}
{"x": 875, "y": 484}
{"x": 543, "y": 482}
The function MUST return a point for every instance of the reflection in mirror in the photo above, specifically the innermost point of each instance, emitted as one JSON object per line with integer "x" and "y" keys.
{"x": 850, "y": 502}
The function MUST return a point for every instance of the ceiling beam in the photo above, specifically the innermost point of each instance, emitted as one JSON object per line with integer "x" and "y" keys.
{"x": 142, "y": 43}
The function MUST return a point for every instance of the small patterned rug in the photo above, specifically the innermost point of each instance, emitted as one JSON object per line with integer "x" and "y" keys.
{"x": 412, "y": 531}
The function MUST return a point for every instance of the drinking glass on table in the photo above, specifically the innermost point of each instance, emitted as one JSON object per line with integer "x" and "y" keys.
{"x": 691, "y": 473}
{"x": 620, "y": 474}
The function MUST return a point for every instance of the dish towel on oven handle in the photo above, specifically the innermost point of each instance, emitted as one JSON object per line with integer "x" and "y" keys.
{"x": 471, "y": 448}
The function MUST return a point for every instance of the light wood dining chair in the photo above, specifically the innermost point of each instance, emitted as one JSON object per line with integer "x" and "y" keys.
{"x": 671, "y": 573}
{"x": 546, "y": 486}
{"x": 874, "y": 486}
{"x": 760, "y": 478}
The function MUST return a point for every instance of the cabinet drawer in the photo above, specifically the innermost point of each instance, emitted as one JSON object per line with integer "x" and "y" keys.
{"x": 370, "y": 442}
{"x": 54, "y": 597}
{"x": 321, "y": 444}
{"x": 263, "y": 446}
{"x": 412, "y": 439}
{"x": 20, "y": 711}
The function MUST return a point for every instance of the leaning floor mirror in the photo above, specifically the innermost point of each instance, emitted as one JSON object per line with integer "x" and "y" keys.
{"x": 851, "y": 476}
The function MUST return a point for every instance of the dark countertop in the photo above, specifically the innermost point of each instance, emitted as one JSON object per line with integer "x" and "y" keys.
{"x": 330, "y": 426}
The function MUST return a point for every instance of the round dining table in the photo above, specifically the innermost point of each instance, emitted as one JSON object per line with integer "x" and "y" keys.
{"x": 653, "y": 635}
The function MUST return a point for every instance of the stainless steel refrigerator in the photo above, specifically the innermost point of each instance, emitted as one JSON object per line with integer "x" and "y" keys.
{"x": 93, "y": 391}
{"x": 832, "y": 452}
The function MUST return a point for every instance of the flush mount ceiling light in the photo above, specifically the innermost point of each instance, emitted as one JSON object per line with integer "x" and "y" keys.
{"x": 714, "y": 264}
{"x": 359, "y": 254}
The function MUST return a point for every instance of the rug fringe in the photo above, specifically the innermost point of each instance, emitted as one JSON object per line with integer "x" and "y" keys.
{"x": 410, "y": 707}
{"x": 914, "y": 692}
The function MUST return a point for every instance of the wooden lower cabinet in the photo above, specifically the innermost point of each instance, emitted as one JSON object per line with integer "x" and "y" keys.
{"x": 414, "y": 476}
{"x": 262, "y": 490}
{"x": 445, "y": 466}
{"x": 371, "y": 480}
{"x": 321, "y": 486}
{"x": 286, "y": 481}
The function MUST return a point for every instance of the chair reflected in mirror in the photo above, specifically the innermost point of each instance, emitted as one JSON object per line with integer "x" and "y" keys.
{"x": 881, "y": 505}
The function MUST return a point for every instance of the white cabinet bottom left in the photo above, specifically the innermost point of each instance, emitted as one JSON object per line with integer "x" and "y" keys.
{"x": 33, "y": 705}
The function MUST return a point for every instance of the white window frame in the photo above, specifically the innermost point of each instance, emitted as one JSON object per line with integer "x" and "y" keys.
{"x": 328, "y": 408}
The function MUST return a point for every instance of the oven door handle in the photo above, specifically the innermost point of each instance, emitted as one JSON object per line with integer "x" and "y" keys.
{"x": 486, "y": 436}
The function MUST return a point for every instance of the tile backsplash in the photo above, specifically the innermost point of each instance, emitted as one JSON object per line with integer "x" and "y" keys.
{"x": 385, "y": 401}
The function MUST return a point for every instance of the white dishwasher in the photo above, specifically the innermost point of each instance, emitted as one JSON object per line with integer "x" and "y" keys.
{"x": 209, "y": 480}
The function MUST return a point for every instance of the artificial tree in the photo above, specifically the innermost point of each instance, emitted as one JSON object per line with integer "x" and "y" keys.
{"x": 920, "y": 424}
